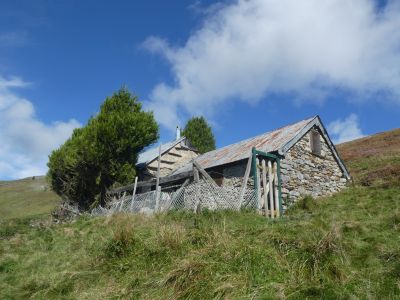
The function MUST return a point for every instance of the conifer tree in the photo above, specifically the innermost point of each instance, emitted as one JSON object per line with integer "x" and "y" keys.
{"x": 103, "y": 152}
{"x": 200, "y": 134}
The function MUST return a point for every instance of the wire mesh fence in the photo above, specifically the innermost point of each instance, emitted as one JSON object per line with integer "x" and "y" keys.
{"x": 191, "y": 195}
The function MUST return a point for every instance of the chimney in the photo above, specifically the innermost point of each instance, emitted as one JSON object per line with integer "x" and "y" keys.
{"x": 178, "y": 133}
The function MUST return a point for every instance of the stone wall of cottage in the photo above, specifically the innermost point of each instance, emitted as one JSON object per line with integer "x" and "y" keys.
{"x": 233, "y": 175}
{"x": 304, "y": 173}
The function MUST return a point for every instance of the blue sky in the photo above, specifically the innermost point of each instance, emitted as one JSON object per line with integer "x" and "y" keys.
{"x": 248, "y": 66}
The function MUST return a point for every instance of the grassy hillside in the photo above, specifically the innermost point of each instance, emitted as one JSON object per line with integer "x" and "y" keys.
{"x": 345, "y": 246}
{"x": 374, "y": 159}
{"x": 26, "y": 198}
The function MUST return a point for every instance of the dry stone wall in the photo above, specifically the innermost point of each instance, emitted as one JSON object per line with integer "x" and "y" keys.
{"x": 304, "y": 173}
{"x": 233, "y": 175}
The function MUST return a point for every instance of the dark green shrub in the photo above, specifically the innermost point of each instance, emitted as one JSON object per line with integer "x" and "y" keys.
{"x": 104, "y": 152}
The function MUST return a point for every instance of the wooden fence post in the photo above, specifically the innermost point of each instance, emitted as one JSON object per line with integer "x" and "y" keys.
{"x": 271, "y": 191}
{"x": 276, "y": 189}
{"x": 134, "y": 193}
{"x": 122, "y": 201}
{"x": 158, "y": 193}
{"x": 258, "y": 184}
{"x": 196, "y": 178}
{"x": 266, "y": 187}
{"x": 158, "y": 179}
{"x": 204, "y": 173}
{"x": 246, "y": 179}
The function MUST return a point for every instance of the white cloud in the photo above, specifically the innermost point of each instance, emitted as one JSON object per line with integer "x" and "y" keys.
{"x": 248, "y": 49}
{"x": 26, "y": 142}
{"x": 345, "y": 130}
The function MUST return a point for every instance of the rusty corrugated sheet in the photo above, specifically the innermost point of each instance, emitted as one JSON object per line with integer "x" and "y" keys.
{"x": 267, "y": 142}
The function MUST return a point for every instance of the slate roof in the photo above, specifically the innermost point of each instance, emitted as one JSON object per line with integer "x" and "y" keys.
{"x": 151, "y": 154}
{"x": 279, "y": 140}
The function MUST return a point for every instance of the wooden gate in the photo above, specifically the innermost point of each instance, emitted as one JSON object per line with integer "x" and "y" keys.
{"x": 267, "y": 182}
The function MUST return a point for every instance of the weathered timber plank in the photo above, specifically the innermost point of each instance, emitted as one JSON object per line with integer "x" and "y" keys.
{"x": 149, "y": 183}
{"x": 168, "y": 162}
{"x": 265, "y": 184}
{"x": 163, "y": 167}
{"x": 196, "y": 179}
{"x": 203, "y": 172}
{"x": 271, "y": 190}
{"x": 258, "y": 185}
{"x": 134, "y": 192}
{"x": 175, "y": 154}
{"x": 196, "y": 175}
{"x": 275, "y": 168}
{"x": 158, "y": 189}
{"x": 245, "y": 180}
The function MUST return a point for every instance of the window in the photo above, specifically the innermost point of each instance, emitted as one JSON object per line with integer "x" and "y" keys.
{"x": 315, "y": 142}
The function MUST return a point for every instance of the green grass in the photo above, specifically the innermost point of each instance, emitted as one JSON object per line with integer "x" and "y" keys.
{"x": 345, "y": 246}
{"x": 26, "y": 198}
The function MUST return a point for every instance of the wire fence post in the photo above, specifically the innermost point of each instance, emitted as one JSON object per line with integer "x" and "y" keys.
{"x": 122, "y": 201}
{"x": 133, "y": 194}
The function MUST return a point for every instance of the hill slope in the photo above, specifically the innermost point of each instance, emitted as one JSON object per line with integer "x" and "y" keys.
{"x": 345, "y": 246}
{"x": 26, "y": 198}
{"x": 374, "y": 159}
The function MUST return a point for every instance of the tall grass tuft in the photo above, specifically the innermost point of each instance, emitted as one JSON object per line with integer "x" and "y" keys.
{"x": 122, "y": 241}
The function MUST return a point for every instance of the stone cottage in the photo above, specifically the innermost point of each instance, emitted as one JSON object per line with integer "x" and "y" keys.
{"x": 300, "y": 159}
{"x": 309, "y": 162}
